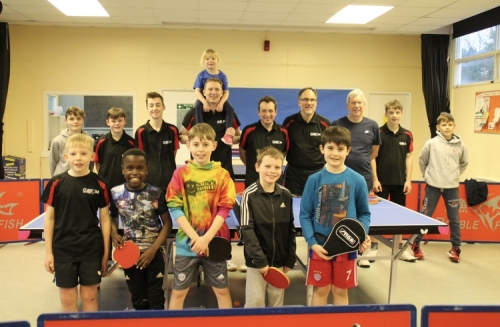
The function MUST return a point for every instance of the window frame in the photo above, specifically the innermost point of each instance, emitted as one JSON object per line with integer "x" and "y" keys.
{"x": 458, "y": 61}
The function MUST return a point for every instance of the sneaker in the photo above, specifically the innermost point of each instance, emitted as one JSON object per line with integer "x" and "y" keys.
{"x": 454, "y": 254}
{"x": 227, "y": 139}
{"x": 405, "y": 256}
{"x": 231, "y": 266}
{"x": 364, "y": 263}
{"x": 243, "y": 268}
{"x": 417, "y": 252}
{"x": 372, "y": 253}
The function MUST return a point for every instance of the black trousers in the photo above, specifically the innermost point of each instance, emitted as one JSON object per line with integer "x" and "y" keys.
{"x": 145, "y": 285}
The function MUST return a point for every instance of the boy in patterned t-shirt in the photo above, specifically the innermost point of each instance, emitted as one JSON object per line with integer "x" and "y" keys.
{"x": 141, "y": 207}
{"x": 200, "y": 196}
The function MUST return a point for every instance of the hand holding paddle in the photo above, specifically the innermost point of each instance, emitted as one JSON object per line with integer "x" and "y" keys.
{"x": 366, "y": 245}
{"x": 127, "y": 255}
{"x": 199, "y": 245}
{"x": 117, "y": 240}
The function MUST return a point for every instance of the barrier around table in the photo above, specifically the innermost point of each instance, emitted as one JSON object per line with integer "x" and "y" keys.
{"x": 460, "y": 315}
{"x": 363, "y": 315}
{"x": 21, "y": 323}
{"x": 19, "y": 204}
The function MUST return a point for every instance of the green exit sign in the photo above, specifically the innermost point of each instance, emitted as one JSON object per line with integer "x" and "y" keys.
{"x": 184, "y": 106}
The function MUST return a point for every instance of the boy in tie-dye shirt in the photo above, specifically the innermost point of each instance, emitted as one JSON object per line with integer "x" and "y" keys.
{"x": 200, "y": 196}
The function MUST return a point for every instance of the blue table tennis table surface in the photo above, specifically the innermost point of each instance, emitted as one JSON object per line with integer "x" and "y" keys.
{"x": 386, "y": 218}
{"x": 35, "y": 227}
{"x": 389, "y": 218}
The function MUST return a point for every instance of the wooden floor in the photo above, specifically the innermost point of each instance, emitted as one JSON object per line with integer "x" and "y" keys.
{"x": 26, "y": 289}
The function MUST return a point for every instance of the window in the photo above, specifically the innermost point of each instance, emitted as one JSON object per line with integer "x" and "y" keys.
{"x": 477, "y": 57}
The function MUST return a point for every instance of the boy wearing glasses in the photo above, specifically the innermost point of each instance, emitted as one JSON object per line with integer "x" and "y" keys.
{"x": 304, "y": 129}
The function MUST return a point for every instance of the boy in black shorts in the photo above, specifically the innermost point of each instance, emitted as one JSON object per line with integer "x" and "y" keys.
{"x": 141, "y": 207}
{"x": 200, "y": 197}
{"x": 76, "y": 246}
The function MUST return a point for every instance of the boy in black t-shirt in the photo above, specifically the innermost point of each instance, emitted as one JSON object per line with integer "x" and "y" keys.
{"x": 111, "y": 146}
{"x": 141, "y": 206}
{"x": 76, "y": 246}
{"x": 160, "y": 141}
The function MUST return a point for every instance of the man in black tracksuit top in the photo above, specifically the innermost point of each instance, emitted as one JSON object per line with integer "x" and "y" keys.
{"x": 268, "y": 229}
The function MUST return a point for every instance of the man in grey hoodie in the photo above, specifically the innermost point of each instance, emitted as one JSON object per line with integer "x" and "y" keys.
{"x": 74, "y": 121}
{"x": 442, "y": 160}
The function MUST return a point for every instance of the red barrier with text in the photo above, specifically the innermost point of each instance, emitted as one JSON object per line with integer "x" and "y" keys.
{"x": 480, "y": 223}
{"x": 19, "y": 204}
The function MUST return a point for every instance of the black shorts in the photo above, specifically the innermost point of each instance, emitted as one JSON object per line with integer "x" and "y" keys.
{"x": 70, "y": 274}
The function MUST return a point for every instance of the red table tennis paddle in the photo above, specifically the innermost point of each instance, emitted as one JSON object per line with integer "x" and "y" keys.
{"x": 219, "y": 249}
{"x": 277, "y": 278}
{"x": 346, "y": 236}
{"x": 127, "y": 255}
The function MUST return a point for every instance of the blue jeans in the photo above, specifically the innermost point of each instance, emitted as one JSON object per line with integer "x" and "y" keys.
{"x": 450, "y": 196}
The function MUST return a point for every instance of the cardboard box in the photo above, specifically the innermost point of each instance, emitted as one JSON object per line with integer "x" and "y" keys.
{"x": 14, "y": 167}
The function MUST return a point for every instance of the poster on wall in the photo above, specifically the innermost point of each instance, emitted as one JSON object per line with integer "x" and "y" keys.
{"x": 487, "y": 112}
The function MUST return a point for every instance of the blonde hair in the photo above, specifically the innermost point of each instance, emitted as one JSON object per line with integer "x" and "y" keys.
{"x": 393, "y": 104}
{"x": 209, "y": 53}
{"x": 75, "y": 111}
{"x": 202, "y": 131}
{"x": 79, "y": 141}
{"x": 115, "y": 113}
{"x": 270, "y": 151}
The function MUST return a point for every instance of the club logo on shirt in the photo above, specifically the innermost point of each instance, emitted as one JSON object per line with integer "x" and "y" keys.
{"x": 221, "y": 121}
{"x": 167, "y": 142}
{"x": 90, "y": 191}
{"x": 402, "y": 143}
{"x": 315, "y": 134}
{"x": 193, "y": 187}
{"x": 276, "y": 142}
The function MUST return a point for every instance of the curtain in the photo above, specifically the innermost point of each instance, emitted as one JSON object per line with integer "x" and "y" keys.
{"x": 4, "y": 79}
{"x": 435, "y": 76}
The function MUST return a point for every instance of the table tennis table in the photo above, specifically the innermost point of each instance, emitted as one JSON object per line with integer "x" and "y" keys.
{"x": 389, "y": 221}
{"x": 33, "y": 230}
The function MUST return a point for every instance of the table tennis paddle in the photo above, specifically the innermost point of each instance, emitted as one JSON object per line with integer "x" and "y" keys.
{"x": 127, "y": 255}
{"x": 346, "y": 236}
{"x": 277, "y": 278}
{"x": 219, "y": 249}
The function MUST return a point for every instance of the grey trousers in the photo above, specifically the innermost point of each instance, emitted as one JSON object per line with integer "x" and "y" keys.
{"x": 256, "y": 290}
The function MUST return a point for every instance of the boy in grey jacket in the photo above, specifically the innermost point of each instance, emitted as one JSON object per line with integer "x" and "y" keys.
{"x": 442, "y": 160}
{"x": 74, "y": 120}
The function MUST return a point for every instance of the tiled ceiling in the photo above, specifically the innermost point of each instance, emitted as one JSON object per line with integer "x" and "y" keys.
{"x": 407, "y": 16}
